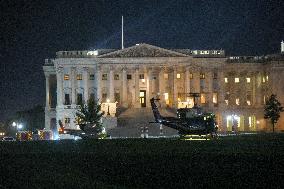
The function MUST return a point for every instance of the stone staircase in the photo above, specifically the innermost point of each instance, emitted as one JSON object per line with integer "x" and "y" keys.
{"x": 131, "y": 120}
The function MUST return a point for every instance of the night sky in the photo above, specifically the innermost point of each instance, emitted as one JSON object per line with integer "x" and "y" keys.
{"x": 31, "y": 31}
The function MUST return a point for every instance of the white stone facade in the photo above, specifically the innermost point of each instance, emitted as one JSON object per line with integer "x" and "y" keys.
{"x": 232, "y": 88}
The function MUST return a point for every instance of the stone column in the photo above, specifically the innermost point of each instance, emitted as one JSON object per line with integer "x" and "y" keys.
{"x": 209, "y": 79}
{"x": 110, "y": 85}
{"x": 59, "y": 78}
{"x": 47, "y": 100}
{"x": 162, "y": 87}
{"x": 124, "y": 88}
{"x": 73, "y": 85}
{"x": 175, "y": 87}
{"x": 137, "y": 98}
{"x": 187, "y": 81}
{"x": 149, "y": 87}
{"x": 221, "y": 101}
{"x": 98, "y": 83}
{"x": 86, "y": 87}
{"x": 258, "y": 94}
{"x": 196, "y": 80}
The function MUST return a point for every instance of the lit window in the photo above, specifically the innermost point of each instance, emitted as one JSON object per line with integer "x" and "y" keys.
{"x": 166, "y": 76}
{"x": 267, "y": 78}
{"x": 141, "y": 76}
{"x": 263, "y": 79}
{"x": 116, "y": 77}
{"x": 248, "y": 102}
{"x": 166, "y": 96}
{"x": 202, "y": 98}
{"x": 227, "y": 102}
{"x": 79, "y": 76}
{"x": 237, "y": 80}
{"x": 202, "y": 76}
{"x": 226, "y": 80}
{"x": 92, "y": 77}
{"x": 129, "y": 76}
{"x": 248, "y": 79}
{"x": 190, "y": 75}
{"x": 66, "y": 77}
{"x": 178, "y": 76}
{"x": 104, "y": 77}
{"x": 227, "y": 95}
{"x": 215, "y": 98}
{"x": 237, "y": 101}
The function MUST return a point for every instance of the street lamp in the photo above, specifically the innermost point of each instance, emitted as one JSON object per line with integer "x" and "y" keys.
{"x": 108, "y": 107}
{"x": 20, "y": 126}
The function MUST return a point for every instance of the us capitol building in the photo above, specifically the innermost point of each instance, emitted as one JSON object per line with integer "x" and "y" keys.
{"x": 231, "y": 87}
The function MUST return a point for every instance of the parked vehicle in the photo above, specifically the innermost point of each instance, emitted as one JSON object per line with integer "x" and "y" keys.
{"x": 8, "y": 139}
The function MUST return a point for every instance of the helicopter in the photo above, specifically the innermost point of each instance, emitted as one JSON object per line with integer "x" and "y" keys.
{"x": 189, "y": 121}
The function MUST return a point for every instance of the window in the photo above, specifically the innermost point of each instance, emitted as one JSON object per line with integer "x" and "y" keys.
{"x": 104, "y": 97}
{"x": 92, "y": 77}
{"x": 190, "y": 75}
{"x": 237, "y": 80}
{"x": 67, "y": 120}
{"x": 215, "y": 98}
{"x": 117, "y": 97}
{"x": 79, "y": 98}
{"x": 202, "y": 98}
{"x": 248, "y": 79}
{"x": 141, "y": 76}
{"x": 79, "y": 76}
{"x": 248, "y": 100}
{"x": 92, "y": 96}
{"x": 226, "y": 80}
{"x": 227, "y": 96}
{"x": 66, "y": 76}
{"x": 263, "y": 79}
{"x": 67, "y": 99}
{"x": 178, "y": 76}
{"x": 166, "y": 76}
{"x": 267, "y": 78}
{"x": 215, "y": 75}
{"x": 116, "y": 76}
{"x": 129, "y": 76}
{"x": 104, "y": 77}
{"x": 237, "y": 101}
{"x": 202, "y": 76}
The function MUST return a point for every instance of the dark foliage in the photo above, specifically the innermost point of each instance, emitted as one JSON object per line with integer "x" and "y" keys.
{"x": 89, "y": 115}
{"x": 272, "y": 110}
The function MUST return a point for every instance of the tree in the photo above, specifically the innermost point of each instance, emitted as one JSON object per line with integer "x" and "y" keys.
{"x": 89, "y": 116}
{"x": 272, "y": 110}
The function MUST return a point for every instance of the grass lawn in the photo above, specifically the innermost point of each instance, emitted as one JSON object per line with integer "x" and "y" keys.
{"x": 255, "y": 161}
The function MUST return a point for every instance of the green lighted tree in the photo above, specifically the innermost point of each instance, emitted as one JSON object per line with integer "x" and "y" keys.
{"x": 272, "y": 110}
{"x": 89, "y": 116}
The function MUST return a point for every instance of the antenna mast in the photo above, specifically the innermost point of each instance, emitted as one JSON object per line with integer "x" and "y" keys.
{"x": 122, "y": 45}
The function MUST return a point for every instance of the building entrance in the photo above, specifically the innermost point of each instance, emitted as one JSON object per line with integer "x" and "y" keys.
{"x": 143, "y": 98}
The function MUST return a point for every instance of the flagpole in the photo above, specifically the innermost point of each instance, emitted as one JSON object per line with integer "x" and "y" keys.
{"x": 122, "y": 45}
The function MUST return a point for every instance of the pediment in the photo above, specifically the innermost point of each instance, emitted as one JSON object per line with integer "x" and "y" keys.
{"x": 142, "y": 50}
